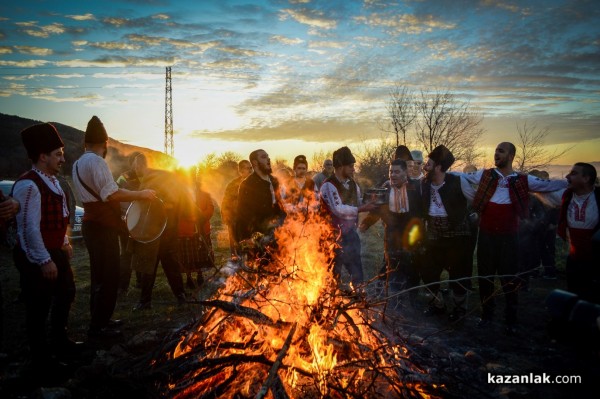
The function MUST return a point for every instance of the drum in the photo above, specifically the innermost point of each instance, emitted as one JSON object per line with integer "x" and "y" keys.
{"x": 378, "y": 196}
{"x": 146, "y": 220}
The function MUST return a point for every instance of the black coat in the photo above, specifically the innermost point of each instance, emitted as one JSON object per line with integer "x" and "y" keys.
{"x": 255, "y": 210}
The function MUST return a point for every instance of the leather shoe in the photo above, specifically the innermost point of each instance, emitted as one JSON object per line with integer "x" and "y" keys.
{"x": 511, "y": 330}
{"x": 112, "y": 323}
{"x": 142, "y": 306}
{"x": 69, "y": 347}
{"x": 457, "y": 313}
{"x": 484, "y": 322}
{"x": 104, "y": 333}
{"x": 433, "y": 310}
{"x": 181, "y": 299}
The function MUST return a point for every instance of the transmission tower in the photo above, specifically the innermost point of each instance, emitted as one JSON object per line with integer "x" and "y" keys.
{"x": 169, "y": 145}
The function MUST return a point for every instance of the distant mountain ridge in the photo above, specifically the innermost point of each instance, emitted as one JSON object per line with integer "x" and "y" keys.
{"x": 14, "y": 161}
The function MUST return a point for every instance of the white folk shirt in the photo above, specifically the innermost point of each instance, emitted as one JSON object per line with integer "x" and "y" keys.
{"x": 502, "y": 196}
{"x": 30, "y": 216}
{"x": 334, "y": 202}
{"x": 582, "y": 212}
{"x": 94, "y": 171}
{"x": 436, "y": 206}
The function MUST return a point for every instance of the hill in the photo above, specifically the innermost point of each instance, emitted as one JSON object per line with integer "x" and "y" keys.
{"x": 13, "y": 157}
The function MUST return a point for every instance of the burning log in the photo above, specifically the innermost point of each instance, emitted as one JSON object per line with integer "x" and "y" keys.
{"x": 242, "y": 347}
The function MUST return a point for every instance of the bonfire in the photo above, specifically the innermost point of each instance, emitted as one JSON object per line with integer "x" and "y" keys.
{"x": 283, "y": 327}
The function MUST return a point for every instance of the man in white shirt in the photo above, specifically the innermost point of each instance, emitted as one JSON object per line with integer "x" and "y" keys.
{"x": 341, "y": 199}
{"x": 502, "y": 198}
{"x": 579, "y": 222}
{"x": 43, "y": 251}
{"x": 445, "y": 207}
{"x": 101, "y": 223}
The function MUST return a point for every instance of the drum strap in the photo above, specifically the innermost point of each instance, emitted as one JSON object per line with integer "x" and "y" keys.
{"x": 88, "y": 188}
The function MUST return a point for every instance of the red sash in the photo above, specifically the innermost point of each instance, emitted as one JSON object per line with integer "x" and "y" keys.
{"x": 499, "y": 219}
{"x": 580, "y": 244}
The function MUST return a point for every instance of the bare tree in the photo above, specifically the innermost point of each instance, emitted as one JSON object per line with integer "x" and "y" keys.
{"x": 531, "y": 153}
{"x": 443, "y": 119}
{"x": 374, "y": 160}
{"x": 401, "y": 110}
{"x": 318, "y": 159}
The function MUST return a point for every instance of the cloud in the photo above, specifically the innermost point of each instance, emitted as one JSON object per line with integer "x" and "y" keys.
{"x": 285, "y": 40}
{"x": 311, "y": 130}
{"x": 24, "y": 64}
{"x": 115, "y": 46}
{"x": 506, "y": 6}
{"x": 240, "y": 51}
{"x": 34, "y": 50}
{"x": 42, "y": 31}
{"x": 230, "y": 63}
{"x": 84, "y": 17}
{"x": 5, "y": 50}
{"x": 310, "y": 17}
{"x": 119, "y": 62}
{"x": 147, "y": 40}
{"x": 404, "y": 23}
{"x": 327, "y": 44}
{"x": 161, "y": 16}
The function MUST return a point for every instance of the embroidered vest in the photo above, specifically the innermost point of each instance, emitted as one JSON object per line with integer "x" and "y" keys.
{"x": 349, "y": 196}
{"x": 53, "y": 225}
{"x": 518, "y": 190}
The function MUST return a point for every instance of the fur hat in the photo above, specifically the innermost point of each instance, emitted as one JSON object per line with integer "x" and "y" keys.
{"x": 300, "y": 159}
{"x": 342, "y": 157}
{"x": 442, "y": 156}
{"x": 40, "y": 139}
{"x": 402, "y": 152}
{"x": 95, "y": 132}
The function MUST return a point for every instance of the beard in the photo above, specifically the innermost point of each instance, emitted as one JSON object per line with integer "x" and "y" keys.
{"x": 501, "y": 163}
{"x": 265, "y": 168}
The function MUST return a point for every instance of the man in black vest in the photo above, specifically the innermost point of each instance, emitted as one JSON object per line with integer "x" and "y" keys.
{"x": 341, "y": 200}
{"x": 448, "y": 230}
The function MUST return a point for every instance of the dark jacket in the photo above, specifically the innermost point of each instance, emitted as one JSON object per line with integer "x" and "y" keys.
{"x": 255, "y": 210}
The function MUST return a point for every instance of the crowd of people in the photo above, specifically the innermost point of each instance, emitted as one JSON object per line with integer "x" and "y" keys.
{"x": 433, "y": 220}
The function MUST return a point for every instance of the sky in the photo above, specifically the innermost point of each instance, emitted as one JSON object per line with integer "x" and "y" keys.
{"x": 301, "y": 76}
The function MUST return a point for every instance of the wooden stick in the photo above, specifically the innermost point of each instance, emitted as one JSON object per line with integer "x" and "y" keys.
{"x": 273, "y": 372}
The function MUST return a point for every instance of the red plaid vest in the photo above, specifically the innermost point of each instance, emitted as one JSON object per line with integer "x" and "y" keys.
{"x": 53, "y": 225}
{"x": 518, "y": 190}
